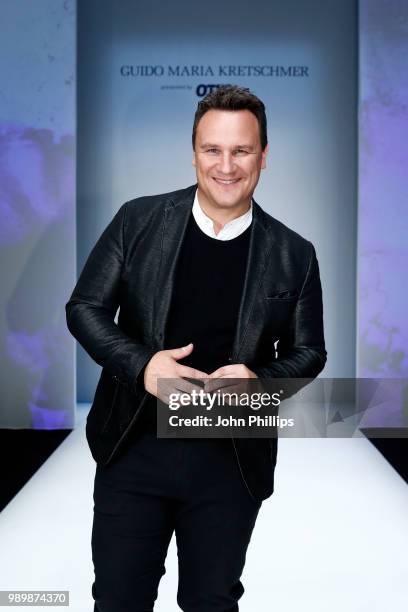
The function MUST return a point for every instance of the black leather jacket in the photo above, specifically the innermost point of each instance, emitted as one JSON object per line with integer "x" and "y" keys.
{"x": 132, "y": 266}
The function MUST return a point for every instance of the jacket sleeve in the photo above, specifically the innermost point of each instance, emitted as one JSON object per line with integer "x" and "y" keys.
{"x": 91, "y": 309}
{"x": 302, "y": 351}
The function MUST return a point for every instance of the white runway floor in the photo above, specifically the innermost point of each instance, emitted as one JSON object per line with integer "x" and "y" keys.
{"x": 332, "y": 538}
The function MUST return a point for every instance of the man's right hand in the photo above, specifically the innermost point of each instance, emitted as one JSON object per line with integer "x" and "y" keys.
{"x": 164, "y": 364}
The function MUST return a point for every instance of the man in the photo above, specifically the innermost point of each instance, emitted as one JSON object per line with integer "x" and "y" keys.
{"x": 208, "y": 284}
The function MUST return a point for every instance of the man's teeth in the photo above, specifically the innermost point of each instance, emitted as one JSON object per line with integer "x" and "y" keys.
{"x": 226, "y": 182}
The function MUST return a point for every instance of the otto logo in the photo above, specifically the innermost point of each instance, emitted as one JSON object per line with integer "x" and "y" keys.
{"x": 202, "y": 90}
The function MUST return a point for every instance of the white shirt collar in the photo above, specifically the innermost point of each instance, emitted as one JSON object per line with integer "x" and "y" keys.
{"x": 232, "y": 229}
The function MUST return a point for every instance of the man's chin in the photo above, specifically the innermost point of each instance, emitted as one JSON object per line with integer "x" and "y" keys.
{"x": 227, "y": 200}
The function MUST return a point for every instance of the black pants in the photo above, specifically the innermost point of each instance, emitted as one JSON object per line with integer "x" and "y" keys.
{"x": 158, "y": 486}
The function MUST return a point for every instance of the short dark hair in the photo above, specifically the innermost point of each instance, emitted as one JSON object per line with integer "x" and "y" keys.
{"x": 232, "y": 97}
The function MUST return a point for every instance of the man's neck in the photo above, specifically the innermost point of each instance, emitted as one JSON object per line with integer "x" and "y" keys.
{"x": 221, "y": 216}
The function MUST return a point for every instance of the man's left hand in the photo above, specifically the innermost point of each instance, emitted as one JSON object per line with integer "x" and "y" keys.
{"x": 220, "y": 378}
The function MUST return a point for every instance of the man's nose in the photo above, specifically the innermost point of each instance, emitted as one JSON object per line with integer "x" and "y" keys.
{"x": 226, "y": 164}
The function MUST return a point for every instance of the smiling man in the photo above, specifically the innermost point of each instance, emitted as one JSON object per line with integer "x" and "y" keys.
{"x": 228, "y": 155}
{"x": 208, "y": 284}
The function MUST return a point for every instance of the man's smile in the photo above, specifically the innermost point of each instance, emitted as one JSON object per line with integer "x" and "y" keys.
{"x": 226, "y": 181}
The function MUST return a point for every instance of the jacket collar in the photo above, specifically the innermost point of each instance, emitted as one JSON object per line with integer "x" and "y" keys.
{"x": 184, "y": 198}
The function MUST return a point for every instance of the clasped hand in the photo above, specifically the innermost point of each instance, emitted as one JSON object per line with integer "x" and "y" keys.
{"x": 164, "y": 365}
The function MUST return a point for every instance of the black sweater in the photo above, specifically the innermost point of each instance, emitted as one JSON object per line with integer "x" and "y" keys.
{"x": 205, "y": 301}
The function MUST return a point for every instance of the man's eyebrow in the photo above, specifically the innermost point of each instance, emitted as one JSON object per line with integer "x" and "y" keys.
{"x": 245, "y": 146}
{"x": 208, "y": 145}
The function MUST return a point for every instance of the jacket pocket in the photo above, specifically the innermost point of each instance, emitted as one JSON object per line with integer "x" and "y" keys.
{"x": 286, "y": 294}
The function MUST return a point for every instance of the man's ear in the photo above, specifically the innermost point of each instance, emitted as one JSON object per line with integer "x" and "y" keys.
{"x": 194, "y": 159}
{"x": 264, "y": 154}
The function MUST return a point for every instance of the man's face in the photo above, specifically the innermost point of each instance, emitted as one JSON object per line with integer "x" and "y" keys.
{"x": 228, "y": 158}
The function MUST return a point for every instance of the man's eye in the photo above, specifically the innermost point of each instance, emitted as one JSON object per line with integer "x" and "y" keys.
{"x": 240, "y": 151}
{"x": 211, "y": 150}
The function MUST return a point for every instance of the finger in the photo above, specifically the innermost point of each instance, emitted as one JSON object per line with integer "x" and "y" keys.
{"x": 186, "y": 386}
{"x": 183, "y": 351}
{"x": 217, "y": 383}
{"x": 188, "y": 372}
{"x": 218, "y": 373}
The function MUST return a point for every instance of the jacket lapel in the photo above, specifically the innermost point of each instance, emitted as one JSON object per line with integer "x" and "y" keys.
{"x": 175, "y": 219}
{"x": 258, "y": 256}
